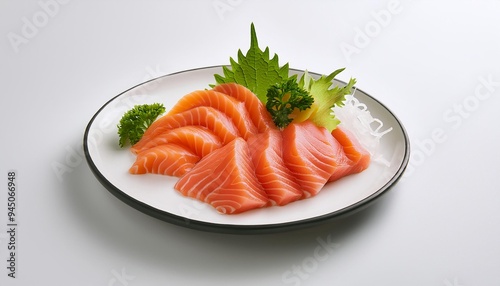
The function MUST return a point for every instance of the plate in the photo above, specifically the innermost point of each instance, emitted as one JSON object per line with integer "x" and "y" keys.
{"x": 154, "y": 194}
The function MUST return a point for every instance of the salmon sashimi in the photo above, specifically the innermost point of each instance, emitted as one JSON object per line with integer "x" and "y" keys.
{"x": 230, "y": 106}
{"x": 199, "y": 140}
{"x": 227, "y": 152}
{"x": 226, "y": 180}
{"x": 267, "y": 156}
{"x": 167, "y": 159}
{"x": 312, "y": 155}
{"x": 257, "y": 110}
{"x": 359, "y": 157}
{"x": 208, "y": 117}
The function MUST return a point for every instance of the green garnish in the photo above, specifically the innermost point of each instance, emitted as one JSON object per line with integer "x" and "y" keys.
{"x": 134, "y": 122}
{"x": 255, "y": 70}
{"x": 284, "y": 98}
{"x": 325, "y": 97}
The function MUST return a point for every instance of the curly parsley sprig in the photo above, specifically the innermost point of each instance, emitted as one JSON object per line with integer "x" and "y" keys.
{"x": 134, "y": 122}
{"x": 284, "y": 98}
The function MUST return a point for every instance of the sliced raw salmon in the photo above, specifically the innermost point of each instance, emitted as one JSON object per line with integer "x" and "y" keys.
{"x": 359, "y": 157}
{"x": 208, "y": 117}
{"x": 257, "y": 110}
{"x": 199, "y": 140}
{"x": 267, "y": 156}
{"x": 228, "y": 105}
{"x": 167, "y": 159}
{"x": 226, "y": 180}
{"x": 312, "y": 155}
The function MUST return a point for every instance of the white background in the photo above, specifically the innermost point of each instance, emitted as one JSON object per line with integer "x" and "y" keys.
{"x": 428, "y": 61}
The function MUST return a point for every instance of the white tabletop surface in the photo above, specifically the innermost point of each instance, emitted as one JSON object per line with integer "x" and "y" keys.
{"x": 435, "y": 64}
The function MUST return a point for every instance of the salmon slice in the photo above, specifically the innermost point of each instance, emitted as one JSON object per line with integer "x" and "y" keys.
{"x": 230, "y": 106}
{"x": 312, "y": 155}
{"x": 257, "y": 110}
{"x": 205, "y": 116}
{"x": 359, "y": 157}
{"x": 199, "y": 140}
{"x": 167, "y": 159}
{"x": 267, "y": 156}
{"x": 226, "y": 180}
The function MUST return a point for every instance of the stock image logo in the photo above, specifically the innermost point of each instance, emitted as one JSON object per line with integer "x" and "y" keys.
{"x": 310, "y": 264}
{"x": 121, "y": 278}
{"x": 222, "y": 7}
{"x": 32, "y": 26}
{"x": 454, "y": 117}
{"x": 372, "y": 29}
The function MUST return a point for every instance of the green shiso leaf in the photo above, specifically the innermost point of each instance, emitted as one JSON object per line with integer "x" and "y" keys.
{"x": 255, "y": 69}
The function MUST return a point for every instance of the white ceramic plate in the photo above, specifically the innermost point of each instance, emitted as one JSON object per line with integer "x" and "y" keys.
{"x": 155, "y": 195}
